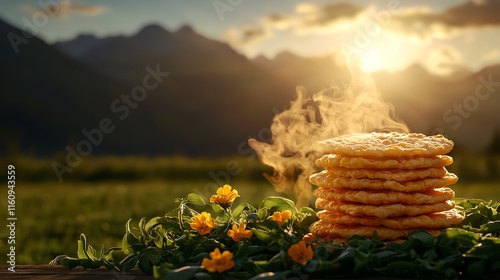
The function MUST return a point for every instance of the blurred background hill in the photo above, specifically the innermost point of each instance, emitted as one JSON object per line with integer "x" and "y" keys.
{"x": 213, "y": 99}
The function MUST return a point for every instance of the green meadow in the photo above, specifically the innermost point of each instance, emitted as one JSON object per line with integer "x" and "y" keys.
{"x": 102, "y": 194}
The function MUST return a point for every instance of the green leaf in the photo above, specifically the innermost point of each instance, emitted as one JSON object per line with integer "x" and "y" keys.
{"x": 476, "y": 269}
{"x": 128, "y": 262}
{"x": 239, "y": 210}
{"x": 154, "y": 222}
{"x": 276, "y": 203}
{"x": 81, "y": 250}
{"x": 267, "y": 276}
{"x": 82, "y": 247}
{"x": 195, "y": 199}
{"x": 169, "y": 223}
{"x": 91, "y": 264}
{"x": 183, "y": 273}
{"x": 65, "y": 261}
{"x": 115, "y": 256}
{"x": 129, "y": 239}
{"x": 423, "y": 236}
{"x": 263, "y": 235}
{"x": 263, "y": 213}
{"x": 217, "y": 208}
{"x": 91, "y": 252}
{"x": 160, "y": 272}
{"x": 142, "y": 229}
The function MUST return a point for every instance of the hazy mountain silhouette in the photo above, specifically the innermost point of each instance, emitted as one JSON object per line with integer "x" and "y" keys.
{"x": 212, "y": 100}
{"x": 47, "y": 98}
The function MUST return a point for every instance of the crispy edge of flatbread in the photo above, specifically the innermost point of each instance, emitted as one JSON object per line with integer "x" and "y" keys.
{"x": 435, "y": 220}
{"x": 324, "y": 229}
{"x": 377, "y": 197}
{"x": 390, "y": 174}
{"x": 329, "y": 161}
{"x": 393, "y": 144}
{"x": 383, "y": 211}
{"x": 326, "y": 179}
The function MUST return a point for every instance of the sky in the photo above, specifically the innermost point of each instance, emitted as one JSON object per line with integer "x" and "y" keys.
{"x": 444, "y": 36}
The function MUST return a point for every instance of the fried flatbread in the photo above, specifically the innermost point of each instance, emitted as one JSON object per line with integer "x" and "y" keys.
{"x": 333, "y": 231}
{"x": 391, "y": 174}
{"x": 383, "y": 211}
{"x": 435, "y": 220}
{"x": 329, "y": 161}
{"x": 329, "y": 180}
{"x": 392, "y": 144}
{"x": 377, "y": 197}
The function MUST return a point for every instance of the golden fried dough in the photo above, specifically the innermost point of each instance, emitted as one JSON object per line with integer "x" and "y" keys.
{"x": 435, "y": 220}
{"x": 329, "y": 161}
{"x": 391, "y": 174}
{"x": 326, "y": 179}
{"x": 376, "y": 197}
{"x": 329, "y": 230}
{"x": 392, "y": 144}
{"x": 385, "y": 210}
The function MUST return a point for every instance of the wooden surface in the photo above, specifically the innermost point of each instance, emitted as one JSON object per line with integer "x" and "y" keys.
{"x": 45, "y": 272}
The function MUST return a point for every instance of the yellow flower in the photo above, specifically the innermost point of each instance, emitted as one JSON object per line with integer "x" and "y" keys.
{"x": 237, "y": 233}
{"x": 225, "y": 196}
{"x": 300, "y": 253}
{"x": 218, "y": 262}
{"x": 281, "y": 217}
{"x": 203, "y": 223}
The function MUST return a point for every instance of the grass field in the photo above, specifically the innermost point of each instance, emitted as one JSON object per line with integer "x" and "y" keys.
{"x": 102, "y": 193}
{"x": 51, "y": 215}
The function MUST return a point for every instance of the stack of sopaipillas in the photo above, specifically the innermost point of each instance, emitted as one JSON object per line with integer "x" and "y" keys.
{"x": 391, "y": 183}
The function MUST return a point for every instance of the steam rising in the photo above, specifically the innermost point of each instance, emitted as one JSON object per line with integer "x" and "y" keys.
{"x": 329, "y": 113}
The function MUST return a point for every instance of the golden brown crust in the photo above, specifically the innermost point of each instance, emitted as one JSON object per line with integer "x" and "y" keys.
{"x": 329, "y": 161}
{"x": 329, "y": 230}
{"x": 376, "y": 197}
{"x": 383, "y": 211}
{"x": 326, "y": 179}
{"x": 392, "y": 174}
{"x": 435, "y": 220}
{"x": 392, "y": 144}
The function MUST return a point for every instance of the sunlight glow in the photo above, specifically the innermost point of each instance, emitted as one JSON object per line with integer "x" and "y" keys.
{"x": 371, "y": 61}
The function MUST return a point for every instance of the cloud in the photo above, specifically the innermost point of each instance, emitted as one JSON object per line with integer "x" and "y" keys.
{"x": 445, "y": 61}
{"x": 246, "y": 36}
{"x": 307, "y": 18}
{"x": 418, "y": 22}
{"x": 423, "y": 24}
{"x": 328, "y": 18}
{"x": 64, "y": 8}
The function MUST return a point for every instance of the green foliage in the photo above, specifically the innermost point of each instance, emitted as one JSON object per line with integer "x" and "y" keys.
{"x": 168, "y": 247}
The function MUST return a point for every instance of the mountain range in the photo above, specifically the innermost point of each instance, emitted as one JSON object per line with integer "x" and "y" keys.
{"x": 178, "y": 92}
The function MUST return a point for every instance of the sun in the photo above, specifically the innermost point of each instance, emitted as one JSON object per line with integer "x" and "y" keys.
{"x": 371, "y": 61}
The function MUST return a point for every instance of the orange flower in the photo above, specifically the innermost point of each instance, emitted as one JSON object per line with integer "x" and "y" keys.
{"x": 225, "y": 196}
{"x": 237, "y": 233}
{"x": 281, "y": 217}
{"x": 218, "y": 262}
{"x": 203, "y": 223}
{"x": 300, "y": 252}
